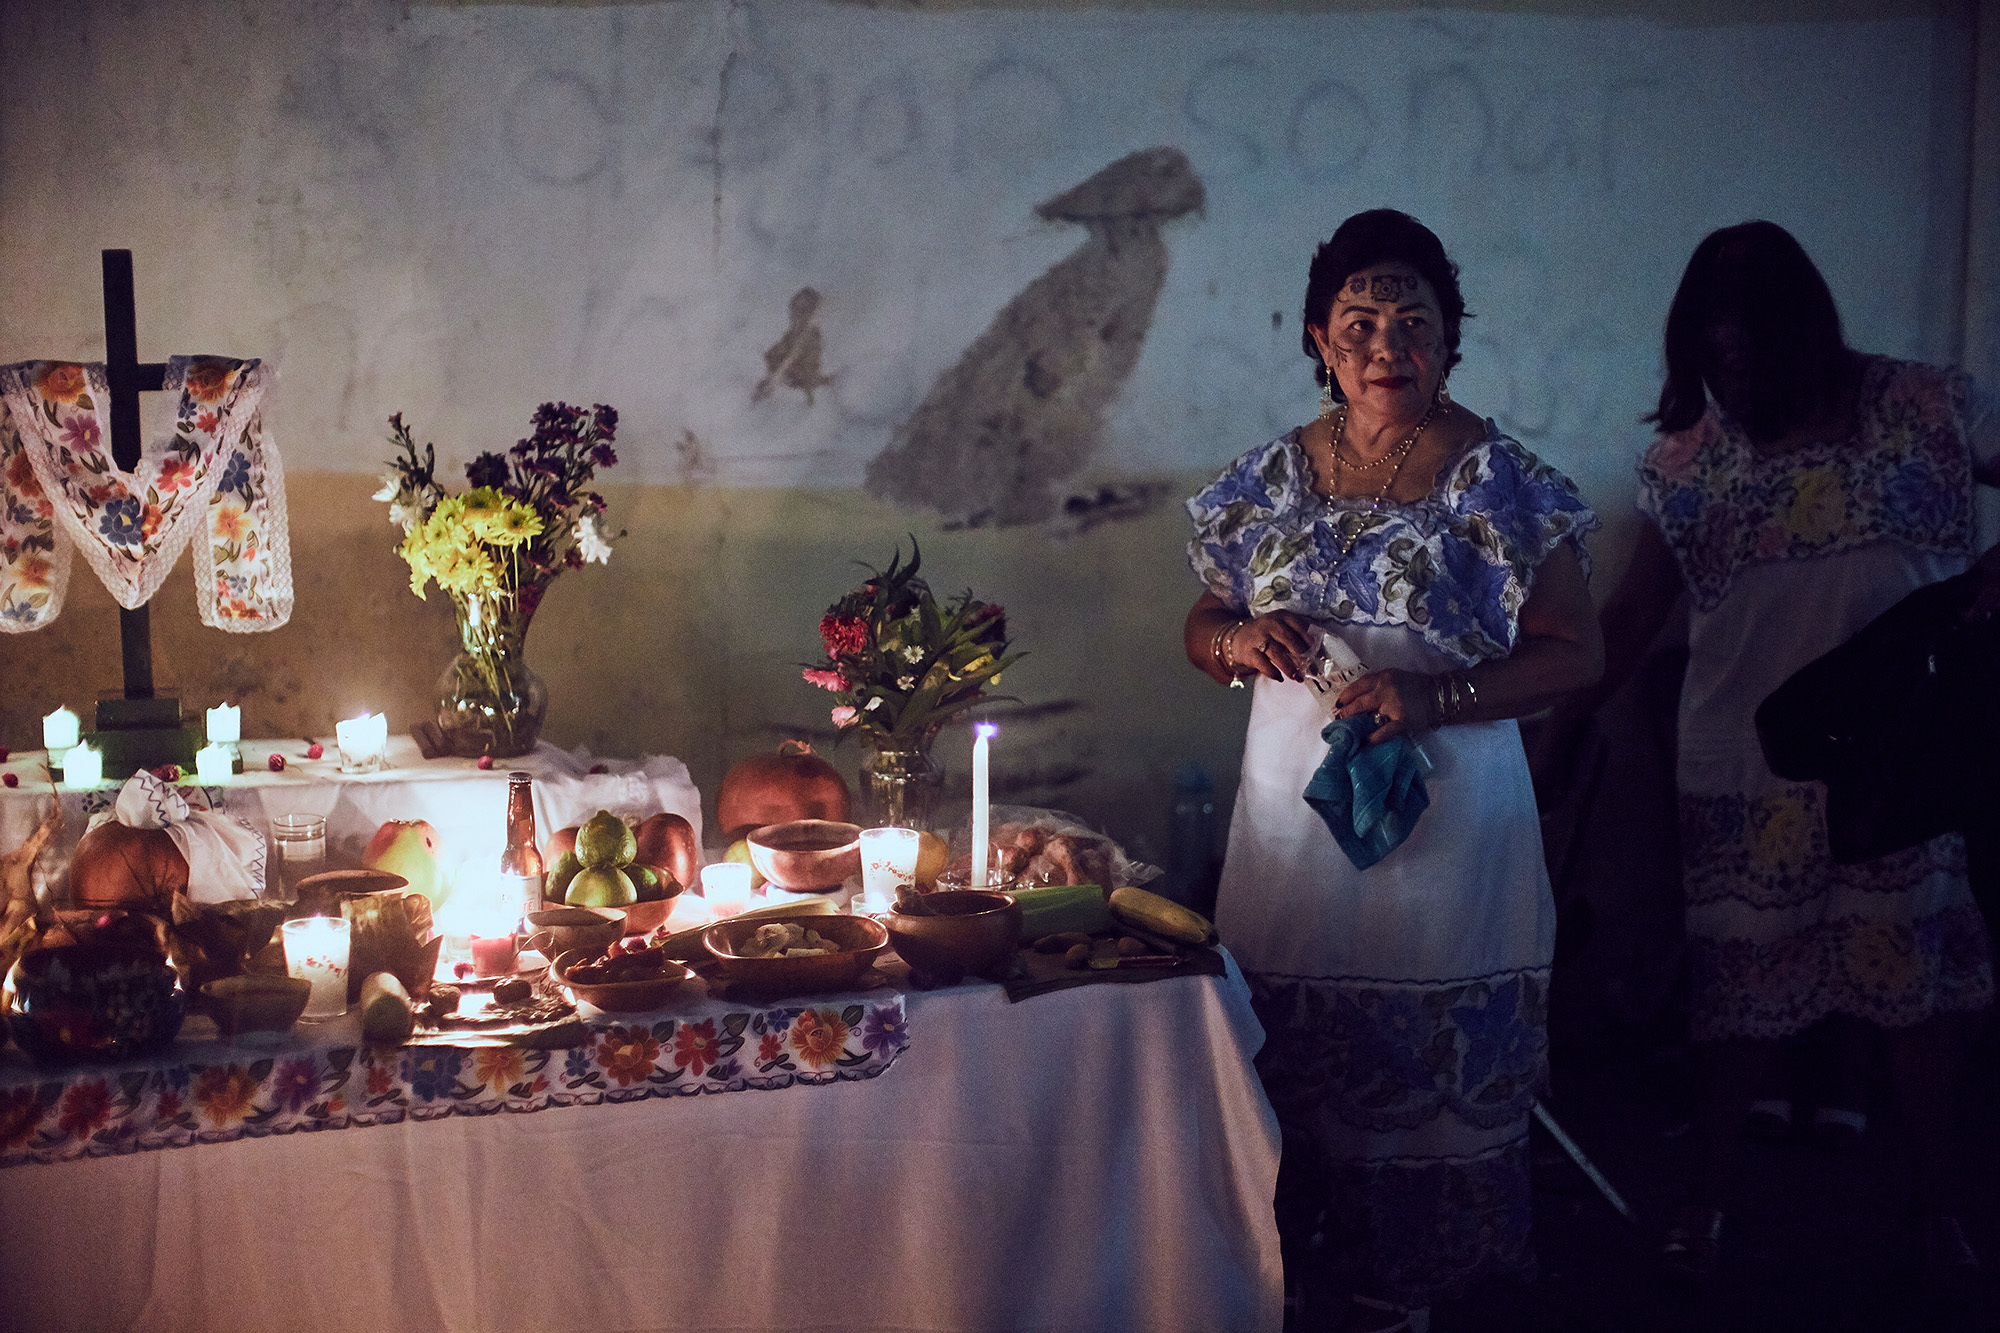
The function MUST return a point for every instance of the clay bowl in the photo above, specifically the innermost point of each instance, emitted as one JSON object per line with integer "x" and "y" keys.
{"x": 322, "y": 894}
{"x": 858, "y": 937}
{"x": 256, "y": 1003}
{"x": 645, "y": 918}
{"x": 806, "y": 854}
{"x": 104, "y": 1001}
{"x": 586, "y": 930}
{"x": 970, "y": 930}
{"x": 620, "y": 997}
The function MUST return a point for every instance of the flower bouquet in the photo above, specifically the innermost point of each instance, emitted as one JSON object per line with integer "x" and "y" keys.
{"x": 903, "y": 663}
{"x": 528, "y": 515}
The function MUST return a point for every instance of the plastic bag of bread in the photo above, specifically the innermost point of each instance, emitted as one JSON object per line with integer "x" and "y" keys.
{"x": 1039, "y": 847}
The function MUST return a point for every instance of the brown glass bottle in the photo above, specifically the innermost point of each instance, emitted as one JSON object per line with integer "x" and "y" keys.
{"x": 521, "y": 860}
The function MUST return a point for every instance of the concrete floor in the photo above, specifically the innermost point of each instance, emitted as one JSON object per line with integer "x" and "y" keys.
{"x": 1818, "y": 1241}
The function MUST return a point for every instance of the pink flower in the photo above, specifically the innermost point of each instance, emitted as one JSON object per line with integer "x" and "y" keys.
{"x": 80, "y": 433}
{"x": 844, "y": 715}
{"x": 826, "y": 680}
{"x": 843, "y": 635}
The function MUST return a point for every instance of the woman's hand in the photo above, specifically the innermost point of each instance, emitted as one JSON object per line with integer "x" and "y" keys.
{"x": 1277, "y": 646}
{"x": 1401, "y": 697}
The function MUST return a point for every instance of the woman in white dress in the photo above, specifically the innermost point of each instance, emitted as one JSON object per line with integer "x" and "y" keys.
{"x": 1405, "y": 1002}
{"x": 1797, "y": 490}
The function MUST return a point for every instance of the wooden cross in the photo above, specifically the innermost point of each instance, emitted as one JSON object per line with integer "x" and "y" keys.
{"x": 129, "y": 378}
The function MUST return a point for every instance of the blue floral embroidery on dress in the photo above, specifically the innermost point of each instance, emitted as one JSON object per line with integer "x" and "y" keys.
{"x": 1455, "y": 567}
{"x": 120, "y": 520}
{"x": 235, "y": 476}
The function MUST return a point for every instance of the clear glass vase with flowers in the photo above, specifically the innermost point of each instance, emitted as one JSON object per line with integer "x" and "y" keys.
{"x": 902, "y": 663}
{"x": 527, "y": 515}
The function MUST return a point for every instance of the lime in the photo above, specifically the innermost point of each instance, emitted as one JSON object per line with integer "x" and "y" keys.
{"x": 601, "y": 886}
{"x": 560, "y": 875}
{"x": 740, "y": 851}
{"x": 605, "y": 840}
{"x": 645, "y": 882}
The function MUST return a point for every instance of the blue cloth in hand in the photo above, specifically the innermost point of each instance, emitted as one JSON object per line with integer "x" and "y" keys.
{"x": 1369, "y": 795}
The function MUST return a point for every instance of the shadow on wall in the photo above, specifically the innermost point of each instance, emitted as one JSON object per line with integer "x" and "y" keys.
{"x": 1024, "y": 406}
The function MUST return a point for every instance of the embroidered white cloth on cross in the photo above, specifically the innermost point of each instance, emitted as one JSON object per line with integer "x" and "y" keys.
{"x": 215, "y": 480}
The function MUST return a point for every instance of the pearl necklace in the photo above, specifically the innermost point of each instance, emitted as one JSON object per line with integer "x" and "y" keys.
{"x": 1400, "y": 454}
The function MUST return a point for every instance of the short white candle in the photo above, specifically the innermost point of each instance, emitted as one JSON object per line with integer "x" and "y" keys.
{"x": 60, "y": 730}
{"x": 362, "y": 741}
{"x": 726, "y": 886}
{"x": 316, "y": 950}
{"x": 83, "y": 767}
{"x": 213, "y": 764}
{"x": 888, "y": 863}
{"x": 982, "y": 739}
{"x": 225, "y": 725}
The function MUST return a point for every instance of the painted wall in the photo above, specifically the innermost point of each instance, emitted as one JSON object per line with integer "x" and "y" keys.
{"x": 810, "y": 250}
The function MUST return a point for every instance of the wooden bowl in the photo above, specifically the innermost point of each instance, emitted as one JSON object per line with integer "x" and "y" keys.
{"x": 322, "y": 894}
{"x": 586, "y": 930}
{"x": 620, "y": 997}
{"x": 971, "y": 930}
{"x": 858, "y": 937}
{"x": 645, "y": 918}
{"x": 255, "y": 1003}
{"x": 806, "y": 854}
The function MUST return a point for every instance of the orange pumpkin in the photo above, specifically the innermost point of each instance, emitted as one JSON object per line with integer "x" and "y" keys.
{"x": 116, "y": 865}
{"x": 793, "y": 783}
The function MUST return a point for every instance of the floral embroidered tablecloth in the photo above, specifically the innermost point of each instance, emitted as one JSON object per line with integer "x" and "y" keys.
{"x": 213, "y": 1092}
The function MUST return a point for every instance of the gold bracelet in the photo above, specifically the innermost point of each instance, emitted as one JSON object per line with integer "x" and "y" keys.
{"x": 1227, "y": 666}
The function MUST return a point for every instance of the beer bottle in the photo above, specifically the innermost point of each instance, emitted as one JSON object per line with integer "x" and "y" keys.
{"x": 521, "y": 861}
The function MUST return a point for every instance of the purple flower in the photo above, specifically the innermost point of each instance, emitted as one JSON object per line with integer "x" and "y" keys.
{"x": 297, "y": 1083}
{"x": 489, "y": 469}
{"x": 885, "y": 1030}
{"x": 1464, "y": 597}
{"x": 120, "y": 521}
{"x": 603, "y": 455}
{"x": 235, "y": 475}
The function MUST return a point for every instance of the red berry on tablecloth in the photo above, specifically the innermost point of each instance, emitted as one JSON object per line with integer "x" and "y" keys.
{"x": 11, "y": 779}
{"x": 485, "y": 762}
{"x": 315, "y": 750}
{"x": 277, "y": 762}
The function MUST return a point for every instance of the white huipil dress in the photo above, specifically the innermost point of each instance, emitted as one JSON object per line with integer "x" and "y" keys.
{"x": 1404, "y": 1004}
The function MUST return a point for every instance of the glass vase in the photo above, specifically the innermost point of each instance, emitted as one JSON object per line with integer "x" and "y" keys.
{"x": 901, "y": 787}
{"x": 489, "y": 700}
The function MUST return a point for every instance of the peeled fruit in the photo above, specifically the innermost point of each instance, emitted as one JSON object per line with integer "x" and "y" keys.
{"x": 600, "y": 886}
{"x": 560, "y": 874}
{"x": 604, "y": 840}
{"x": 740, "y": 851}
{"x": 407, "y": 847}
{"x": 932, "y": 854}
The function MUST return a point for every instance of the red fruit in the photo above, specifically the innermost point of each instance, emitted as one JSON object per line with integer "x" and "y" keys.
{"x": 11, "y": 780}
{"x": 315, "y": 750}
{"x": 277, "y": 763}
{"x": 485, "y": 762}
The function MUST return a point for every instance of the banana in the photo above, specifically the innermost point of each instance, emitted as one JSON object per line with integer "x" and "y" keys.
{"x": 1162, "y": 916}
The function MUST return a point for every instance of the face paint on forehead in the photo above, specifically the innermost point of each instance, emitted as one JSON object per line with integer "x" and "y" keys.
{"x": 1393, "y": 286}
{"x": 1357, "y": 284}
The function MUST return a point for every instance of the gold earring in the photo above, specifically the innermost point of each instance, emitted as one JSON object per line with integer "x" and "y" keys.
{"x": 1326, "y": 398}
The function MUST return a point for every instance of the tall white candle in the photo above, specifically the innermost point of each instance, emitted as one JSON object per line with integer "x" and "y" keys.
{"x": 60, "y": 730}
{"x": 982, "y": 738}
{"x": 83, "y": 767}
{"x": 225, "y": 724}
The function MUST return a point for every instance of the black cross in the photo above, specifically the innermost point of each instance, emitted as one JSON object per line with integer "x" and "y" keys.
{"x": 129, "y": 378}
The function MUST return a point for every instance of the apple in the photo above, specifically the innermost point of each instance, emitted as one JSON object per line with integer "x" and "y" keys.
{"x": 562, "y": 840}
{"x": 666, "y": 843}
{"x": 408, "y": 847}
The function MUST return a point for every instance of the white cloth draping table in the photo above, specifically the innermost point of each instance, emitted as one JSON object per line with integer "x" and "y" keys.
{"x": 1092, "y": 1160}
{"x": 465, "y": 804}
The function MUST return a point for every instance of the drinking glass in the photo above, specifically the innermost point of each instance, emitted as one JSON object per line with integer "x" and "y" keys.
{"x": 298, "y": 844}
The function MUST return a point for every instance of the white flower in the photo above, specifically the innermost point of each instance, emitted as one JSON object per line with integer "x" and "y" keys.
{"x": 906, "y": 682}
{"x": 392, "y": 487}
{"x": 873, "y": 704}
{"x": 913, "y": 653}
{"x": 594, "y": 547}
{"x": 408, "y": 516}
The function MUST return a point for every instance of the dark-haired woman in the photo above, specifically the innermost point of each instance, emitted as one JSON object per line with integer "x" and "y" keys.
{"x": 1797, "y": 490}
{"x": 1403, "y": 1003}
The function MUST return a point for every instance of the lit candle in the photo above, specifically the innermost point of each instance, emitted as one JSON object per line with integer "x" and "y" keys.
{"x": 212, "y": 764}
{"x": 316, "y": 950}
{"x": 888, "y": 865}
{"x": 83, "y": 767}
{"x": 362, "y": 741}
{"x": 60, "y": 730}
{"x": 493, "y": 955}
{"x": 982, "y": 739}
{"x": 225, "y": 724}
{"x": 726, "y": 886}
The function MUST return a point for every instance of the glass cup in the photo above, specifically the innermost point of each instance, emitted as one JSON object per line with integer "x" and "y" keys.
{"x": 298, "y": 844}
{"x": 888, "y": 865}
{"x": 996, "y": 881}
{"x": 316, "y": 950}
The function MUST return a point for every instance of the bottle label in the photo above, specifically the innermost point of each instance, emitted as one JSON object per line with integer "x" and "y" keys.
{"x": 518, "y": 896}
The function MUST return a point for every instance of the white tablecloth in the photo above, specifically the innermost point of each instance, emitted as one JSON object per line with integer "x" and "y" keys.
{"x": 466, "y": 805}
{"x": 1093, "y": 1160}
